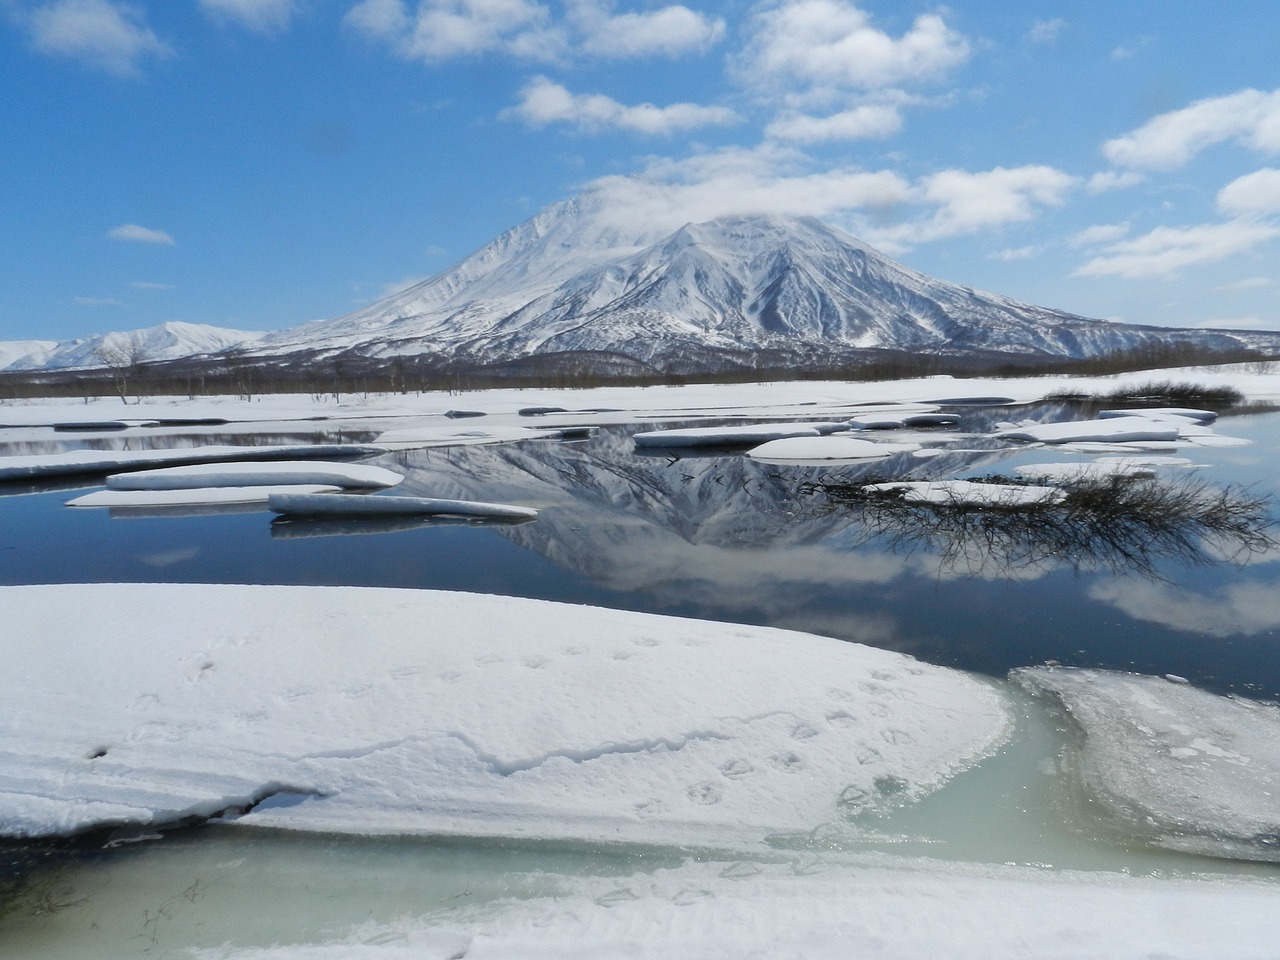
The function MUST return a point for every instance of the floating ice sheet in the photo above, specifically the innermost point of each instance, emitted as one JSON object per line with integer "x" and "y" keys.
{"x": 1110, "y": 430}
{"x": 73, "y": 462}
{"x": 828, "y": 448}
{"x": 737, "y": 434}
{"x": 236, "y": 474}
{"x": 445, "y": 713}
{"x": 196, "y": 496}
{"x": 1174, "y": 764}
{"x": 298, "y": 503}
{"x": 1101, "y": 468}
{"x": 969, "y": 493}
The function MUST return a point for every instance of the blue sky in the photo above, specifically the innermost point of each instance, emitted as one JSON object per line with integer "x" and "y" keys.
{"x": 261, "y": 163}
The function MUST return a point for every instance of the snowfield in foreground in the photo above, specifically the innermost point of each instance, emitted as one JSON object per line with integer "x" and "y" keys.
{"x": 404, "y": 711}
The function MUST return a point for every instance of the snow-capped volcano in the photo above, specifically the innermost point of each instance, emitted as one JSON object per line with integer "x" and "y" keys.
{"x": 763, "y": 290}
{"x": 166, "y": 341}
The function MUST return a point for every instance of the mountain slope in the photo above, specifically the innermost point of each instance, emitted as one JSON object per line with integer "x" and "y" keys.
{"x": 735, "y": 291}
{"x": 167, "y": 341}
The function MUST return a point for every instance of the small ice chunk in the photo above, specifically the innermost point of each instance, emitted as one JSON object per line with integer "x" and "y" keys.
{"x": 256, "y": 474}
{"x": 1172, "y": 764}
{"x": 1164, "y": 413}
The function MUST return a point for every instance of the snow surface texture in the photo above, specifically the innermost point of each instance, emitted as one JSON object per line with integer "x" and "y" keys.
{"x": 445, "y": 713}
{"x": 355, "y": 505}
{"x": 196, "y": 496}
{"x": 1187, "y": 769}
{"x": 233, "y": 474}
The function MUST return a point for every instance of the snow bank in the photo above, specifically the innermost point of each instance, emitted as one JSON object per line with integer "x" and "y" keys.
{"x": 969, "y": 493}
{"x": 234, "y": 474}
{"x": 298, "y": 503}
{"x": 1174, "y": 764}
{"x": 445, "y": 713}
{"x": 74, "y": 462}
{"x": 195, "y": 496}
{"x": 828, "y": 448}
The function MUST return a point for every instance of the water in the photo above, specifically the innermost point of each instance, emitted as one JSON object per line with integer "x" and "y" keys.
{"x": 714, "y": 536}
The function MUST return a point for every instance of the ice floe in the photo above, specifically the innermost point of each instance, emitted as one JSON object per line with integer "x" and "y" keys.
{"x": 405, "y": 711}
{"x": 970, "y": 493}
{"x": 746, "y": 433}
{"x": 1172, "y": 763}
{"x": 1164, "y": 413}
{"x": 299, "y": 503}
{"x": 80, "y": 462}
{"x": 434, "y": 435}
{"x": 196, "y": 496}
{"x": 828, "y": 448}
{"x": 1127, "y": 429}
{"x": 237, "y": 474}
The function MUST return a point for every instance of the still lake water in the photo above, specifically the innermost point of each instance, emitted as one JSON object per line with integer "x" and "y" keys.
{"x": 713, "y": 536}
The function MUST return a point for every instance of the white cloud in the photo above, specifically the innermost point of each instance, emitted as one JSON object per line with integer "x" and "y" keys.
{"x": 1254, "y": 194}
{"x": 1248, "y": 117}
{"x": 1099, "y": 234}
{"x": 832, "y": 44}
{"x": 770, "y": 179}
{"x": 1046, "y": 31}
{"x": 1246, "y": 608}
{"x": 545, "y": 102}
{"x": 967, "y": 202}
{"x": 669, "y": 31}
{"x": 438, "y": 30}
{"x": 133, "y": 232}
{"x": 110, "y": 36}
{"x": 263, "y": 16}
{"x": 864, "y": 121}
{"x": 1106, "y": 180}
{"x": 1166, "y": 250}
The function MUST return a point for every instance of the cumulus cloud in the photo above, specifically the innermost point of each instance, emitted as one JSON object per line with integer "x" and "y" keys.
{"x": 966, "y": 202}
{"x": 1248, "y": 117}
{"x": 1106, "y": 180}
{"x": 543, "y": 102}
{"x": 833, "y": 44}
{"x": 667, "y": 31}
{"x": 1254, "y": 194}
{"x": 770, "y": 179}
{"x": 436, "y": 30}
{"x": 108, "y": 36}
{"x": 1166, "y": 250}
{"x": 864, "y": 121}
{"x": 262, "y": 16}
{"x": 136, "y": 234}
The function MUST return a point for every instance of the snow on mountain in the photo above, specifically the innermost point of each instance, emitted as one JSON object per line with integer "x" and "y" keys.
{"x": 168, "y": 341}
{"x": 573, "y": 279}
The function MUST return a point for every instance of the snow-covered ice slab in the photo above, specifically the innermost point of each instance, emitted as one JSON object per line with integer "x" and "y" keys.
{"x": 1127, "y": 429}
{"x": 1173, "y": 764}
{"x": 74, "y": 462}
{"x": 197, "y": 496}
{"x": 828, "y": 448}
{"x": 737, "y": 434}
{"x": 969, "y": 493}
{"x": 1158, "y": 413}
{"x": 446, "y": 713}
{"x": 235, "y": 474}
{"x": 354, "y": 505}
{"x": 455, "y": 436}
